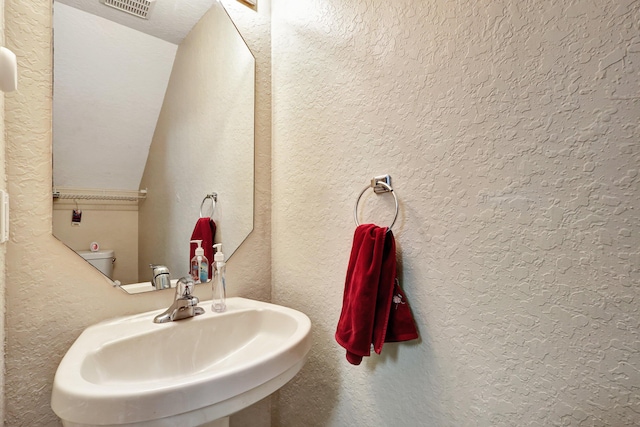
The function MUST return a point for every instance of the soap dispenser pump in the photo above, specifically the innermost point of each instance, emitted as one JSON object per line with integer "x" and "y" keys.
{"x": 199, "y": 264}
{"x": 219, "y": 285}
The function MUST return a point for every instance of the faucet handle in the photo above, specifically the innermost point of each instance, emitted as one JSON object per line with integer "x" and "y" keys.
{"x": 184, "y": 287}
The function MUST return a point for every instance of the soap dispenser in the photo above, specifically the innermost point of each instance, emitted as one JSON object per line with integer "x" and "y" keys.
{"x": 218, "y": 286}
{"x": 199, "y": 264}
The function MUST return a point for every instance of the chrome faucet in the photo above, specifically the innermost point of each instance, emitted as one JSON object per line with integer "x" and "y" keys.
{"x": 185, "y": 304}
{"x": 161, "y": 278}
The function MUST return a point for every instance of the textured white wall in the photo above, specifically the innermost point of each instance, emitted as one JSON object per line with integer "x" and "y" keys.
{"x": 513, "y": 147}
{"x": 511, "y": 132}
{"x": 52, "y": 294}
{"x": 3, "y": 249}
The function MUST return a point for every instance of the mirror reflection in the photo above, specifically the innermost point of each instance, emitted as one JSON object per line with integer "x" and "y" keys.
{"x": 154, "y": 107}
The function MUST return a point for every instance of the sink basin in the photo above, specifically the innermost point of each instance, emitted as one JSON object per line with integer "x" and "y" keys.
{"x": 132, "y": 372}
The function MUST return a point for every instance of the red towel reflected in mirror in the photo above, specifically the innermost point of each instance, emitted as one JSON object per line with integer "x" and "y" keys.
{"x": 204, "y": 230}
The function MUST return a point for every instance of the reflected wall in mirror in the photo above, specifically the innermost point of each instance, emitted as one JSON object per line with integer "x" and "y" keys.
{"x": 172, "y": 115}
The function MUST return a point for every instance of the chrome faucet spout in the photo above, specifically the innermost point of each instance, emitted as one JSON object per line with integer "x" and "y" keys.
{"x": 161, "y": 278}
{"x": 185, "y": 304}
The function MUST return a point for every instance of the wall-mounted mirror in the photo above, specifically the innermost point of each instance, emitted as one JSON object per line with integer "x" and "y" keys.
{"x": 164, "y": 104}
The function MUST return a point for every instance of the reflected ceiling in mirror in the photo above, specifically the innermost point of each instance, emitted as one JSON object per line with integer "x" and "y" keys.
{"x": 133, "y": 111}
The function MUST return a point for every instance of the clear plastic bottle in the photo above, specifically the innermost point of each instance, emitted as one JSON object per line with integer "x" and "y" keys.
{"x": 218, "y": 283}
{"x": 199, "y": 264}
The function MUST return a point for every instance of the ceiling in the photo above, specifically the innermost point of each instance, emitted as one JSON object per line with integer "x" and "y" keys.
{"x": 170, "y": 20}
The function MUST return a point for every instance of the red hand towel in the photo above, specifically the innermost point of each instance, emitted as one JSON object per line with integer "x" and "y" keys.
{"x": 401, "y": 326}
{"x": 204, "y": 230}
{"x": 374, "y": 309}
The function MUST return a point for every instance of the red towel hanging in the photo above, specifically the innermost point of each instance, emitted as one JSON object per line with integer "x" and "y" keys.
{"x": 374, "y": 308}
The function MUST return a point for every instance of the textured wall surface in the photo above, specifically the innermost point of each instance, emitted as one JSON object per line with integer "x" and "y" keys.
{"x": 3, "y": 249}
{"x": 52, "y": 294}
{"x": 511, "y": 132}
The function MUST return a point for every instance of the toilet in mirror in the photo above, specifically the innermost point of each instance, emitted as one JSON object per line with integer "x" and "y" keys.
{"x": 103, "y": 260}
{"x": 149, "y": 116}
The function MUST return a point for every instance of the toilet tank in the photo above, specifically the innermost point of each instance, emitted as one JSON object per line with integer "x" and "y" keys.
{"x": 102, "y": 260}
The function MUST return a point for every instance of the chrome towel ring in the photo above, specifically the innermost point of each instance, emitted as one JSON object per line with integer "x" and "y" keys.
{"x": 380, "y": 184}
{"x": 214, "y": 198}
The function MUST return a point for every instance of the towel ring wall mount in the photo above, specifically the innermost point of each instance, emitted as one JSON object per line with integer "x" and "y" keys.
{"x": 380, "y": 184}
{"x": 214, "y": 198}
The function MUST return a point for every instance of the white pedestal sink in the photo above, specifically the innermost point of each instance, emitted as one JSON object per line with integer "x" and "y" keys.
{"x": 133, "y": 372}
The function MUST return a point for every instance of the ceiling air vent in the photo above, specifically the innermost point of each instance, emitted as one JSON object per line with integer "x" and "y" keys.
{"x": 139, "y": 8}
